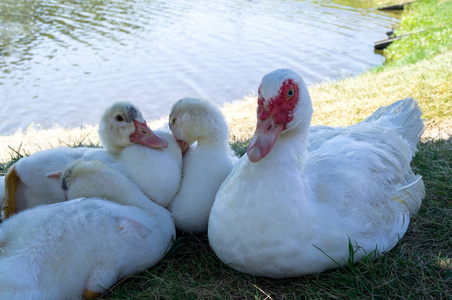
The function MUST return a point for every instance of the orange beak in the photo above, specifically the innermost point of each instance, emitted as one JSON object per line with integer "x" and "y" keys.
{"x": 145, "y": 136}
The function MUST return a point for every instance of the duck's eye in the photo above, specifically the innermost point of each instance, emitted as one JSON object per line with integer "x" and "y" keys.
{"x": 173, "y": 121}
{"x": 290, "y": 94}
{"x": 119, "y": 118}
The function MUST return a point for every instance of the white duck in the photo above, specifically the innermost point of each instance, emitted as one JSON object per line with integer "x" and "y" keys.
{"x": 157, "y": 172}
{"x": 286, "y": 211}
{"x": 2, "y": 189}
{"x": 205, "y": 164}
{"x": 83, "y": 246}
{"x": 34, "y": 180}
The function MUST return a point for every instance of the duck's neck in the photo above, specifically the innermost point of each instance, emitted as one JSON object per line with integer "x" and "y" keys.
{"x": 115, "y": 151}
{"x": 285, "y": 164}
{"x": 213, "y": 142}
{"x": 291, "y": 147}
{"x": 107, "y": 142}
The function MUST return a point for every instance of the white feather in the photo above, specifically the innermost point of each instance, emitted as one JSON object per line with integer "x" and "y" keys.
{"x": 57, "y": 251}
{"x": 294, "y": 212}
{"x": 205, "y": 165}
{"x": 138, "y": 162}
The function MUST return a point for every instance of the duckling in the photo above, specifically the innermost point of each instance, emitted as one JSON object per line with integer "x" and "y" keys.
{"x": 81, "y": 247}
{"x": 207, "y": 161}
{"x": 34, "y": 180}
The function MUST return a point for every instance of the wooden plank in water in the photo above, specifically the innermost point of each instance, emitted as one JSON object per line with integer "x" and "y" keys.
{"x": 382, "y": 44}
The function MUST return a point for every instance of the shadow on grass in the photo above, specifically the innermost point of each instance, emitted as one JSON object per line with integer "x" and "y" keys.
{"x": 419, "y": 267}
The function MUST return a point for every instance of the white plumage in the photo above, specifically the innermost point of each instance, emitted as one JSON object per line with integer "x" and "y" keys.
{"x": 293, "y": 203}
{"x": 82, "y": 246}
{"x": 157, "y": 172}
{"x": 127, "y": 141}
{"x": 206, "y": 163}
{"x": 2, "y": 190}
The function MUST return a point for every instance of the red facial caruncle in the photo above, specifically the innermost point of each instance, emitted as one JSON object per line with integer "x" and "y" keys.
{"x": 273, "y": 116}
{"x": 282, "y": 106}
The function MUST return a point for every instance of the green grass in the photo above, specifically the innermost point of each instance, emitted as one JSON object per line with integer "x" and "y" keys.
{"x": 419, "y": 267}
{"x": 433, "y": 15}
{"x": 15, "y": 155}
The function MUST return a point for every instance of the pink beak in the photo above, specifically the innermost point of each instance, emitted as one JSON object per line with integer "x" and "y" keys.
{"x": 183, "y": 146}
{"x": 145, "y": 136}
{"x": 264, "y": 139}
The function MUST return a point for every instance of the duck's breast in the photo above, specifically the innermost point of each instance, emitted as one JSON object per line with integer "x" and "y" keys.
{"x": 260, "y": 225}
{"x": 157, "y": 172}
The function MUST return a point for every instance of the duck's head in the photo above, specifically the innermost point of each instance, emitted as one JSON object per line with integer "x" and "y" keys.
{"x": 91, "y": 178}
{"x": 194, "y": 120}
{"x": 122, "y": 124}
{"x": 283, "y": 104}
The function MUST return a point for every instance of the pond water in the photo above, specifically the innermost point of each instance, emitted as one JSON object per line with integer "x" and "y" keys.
{"x": 64, "y": 61}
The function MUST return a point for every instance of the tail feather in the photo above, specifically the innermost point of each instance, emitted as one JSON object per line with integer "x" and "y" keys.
{"x": 411, "y": 193}
{"x": 404, "y": 116}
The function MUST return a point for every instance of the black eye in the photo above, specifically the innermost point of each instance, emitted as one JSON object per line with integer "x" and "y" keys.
{"x": 290, "y": 94}
{"x": 119, "y": 118}
{"x": 173, "y": 122}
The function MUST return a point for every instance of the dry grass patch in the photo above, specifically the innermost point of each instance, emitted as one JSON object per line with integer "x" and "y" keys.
{"x": 32, "y": 140}
{"x": 351, "y": 100}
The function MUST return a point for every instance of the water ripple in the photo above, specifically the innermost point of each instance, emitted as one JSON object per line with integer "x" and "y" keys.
{"x": 62, "y": 62}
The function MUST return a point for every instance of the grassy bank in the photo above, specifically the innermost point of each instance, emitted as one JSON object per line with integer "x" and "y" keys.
{"x": 420, "y": 267}
{"x": 429, "y": 23}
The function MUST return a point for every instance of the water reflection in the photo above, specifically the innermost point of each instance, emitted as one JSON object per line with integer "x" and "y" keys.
{"x": 63, "y": 61}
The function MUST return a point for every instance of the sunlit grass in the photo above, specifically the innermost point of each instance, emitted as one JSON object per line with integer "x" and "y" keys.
{"x": 351, "y": 100}
{"x": 32, "y": 140}
{"x": 433, "y": 16}
{"x": 381, "y": 3}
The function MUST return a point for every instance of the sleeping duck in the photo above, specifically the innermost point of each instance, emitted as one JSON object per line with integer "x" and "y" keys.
{"x": 206, "y": 163}
{"x": 127, "y": 140}
{"x": 83, "y": 246}
{"x": 288, "y": 210}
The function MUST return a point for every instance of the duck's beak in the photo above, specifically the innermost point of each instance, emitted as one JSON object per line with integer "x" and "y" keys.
{"x": 264, "y": 139}
{"x": 145, "y": 136}
{"x": 183, "y": 146}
